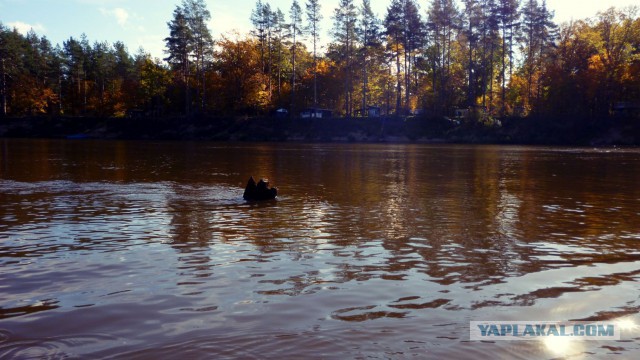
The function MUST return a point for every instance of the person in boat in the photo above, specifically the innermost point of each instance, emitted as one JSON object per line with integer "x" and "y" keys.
{"x": 260, "y": 191}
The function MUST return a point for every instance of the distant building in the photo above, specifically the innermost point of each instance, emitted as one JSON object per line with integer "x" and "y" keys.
{"x": 626, "y": 108}
{"x": 461, "y": 114}
{"x": 136, "y": 113}
{"x": 315, "y": 113}
{"x": 370, "y": 111}
{"x": 282, "y": 113}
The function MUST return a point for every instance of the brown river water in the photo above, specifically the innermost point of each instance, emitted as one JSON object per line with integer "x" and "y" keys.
{"x": 143, "y": 250}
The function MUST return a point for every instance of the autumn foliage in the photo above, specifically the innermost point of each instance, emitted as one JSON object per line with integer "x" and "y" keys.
{"x": 496, "y": 58}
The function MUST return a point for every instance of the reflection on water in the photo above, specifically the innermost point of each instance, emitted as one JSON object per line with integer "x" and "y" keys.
{"x": 564, "y": 347}
{"x": 115, "y": 249}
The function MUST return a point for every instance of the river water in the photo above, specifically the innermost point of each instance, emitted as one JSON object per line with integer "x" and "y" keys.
{"x": 147, "y": 250}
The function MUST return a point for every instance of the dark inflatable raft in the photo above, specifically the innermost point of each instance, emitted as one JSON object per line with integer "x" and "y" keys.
{"x": 260, "y": 191}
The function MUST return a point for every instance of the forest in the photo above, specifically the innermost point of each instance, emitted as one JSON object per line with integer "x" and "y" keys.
{"x": 491, "y": 58}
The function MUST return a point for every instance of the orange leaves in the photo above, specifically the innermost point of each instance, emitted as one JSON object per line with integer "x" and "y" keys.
{"x": 31, "y": 97}
{"x": 240, "y": 83}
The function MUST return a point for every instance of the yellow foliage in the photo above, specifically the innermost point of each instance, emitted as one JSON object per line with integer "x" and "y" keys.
{"x": 595, "y": 63}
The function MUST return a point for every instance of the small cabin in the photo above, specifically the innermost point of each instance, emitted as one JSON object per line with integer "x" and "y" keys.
{"x": 282, "y": 113}
{"x": 461, "y": 114}
{"x": 315, "y": 113}
{"x": 626, "y": 108}
{"x": 135, "y": 113}
{"x": 370, "y": 111}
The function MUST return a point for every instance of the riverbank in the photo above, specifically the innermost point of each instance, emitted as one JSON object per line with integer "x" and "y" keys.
{"x": 547, "y": 131}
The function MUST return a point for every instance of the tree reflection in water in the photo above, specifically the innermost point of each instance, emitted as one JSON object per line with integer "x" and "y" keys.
{"x": 412, "y": 241}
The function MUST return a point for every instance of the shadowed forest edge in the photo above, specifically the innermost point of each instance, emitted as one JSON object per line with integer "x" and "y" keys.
{"x": 490, "y": 71}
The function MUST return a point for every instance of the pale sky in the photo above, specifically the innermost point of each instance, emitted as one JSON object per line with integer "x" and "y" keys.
{"x": 144, "y": 22}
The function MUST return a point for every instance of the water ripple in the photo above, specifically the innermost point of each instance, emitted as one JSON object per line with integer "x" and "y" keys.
{"x": 370, "y": 251}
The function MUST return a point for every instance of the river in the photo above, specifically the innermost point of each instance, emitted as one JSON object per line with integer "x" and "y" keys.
{"x": 147, "y": 249}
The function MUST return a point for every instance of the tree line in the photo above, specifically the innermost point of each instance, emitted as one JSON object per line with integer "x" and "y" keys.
{"x": 493, "y": 58}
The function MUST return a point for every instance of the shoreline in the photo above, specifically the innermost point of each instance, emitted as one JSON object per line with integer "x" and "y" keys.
{"x": 393, "y": 130}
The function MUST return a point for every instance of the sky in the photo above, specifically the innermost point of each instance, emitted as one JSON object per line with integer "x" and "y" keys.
{"x": 143, "y": 23}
